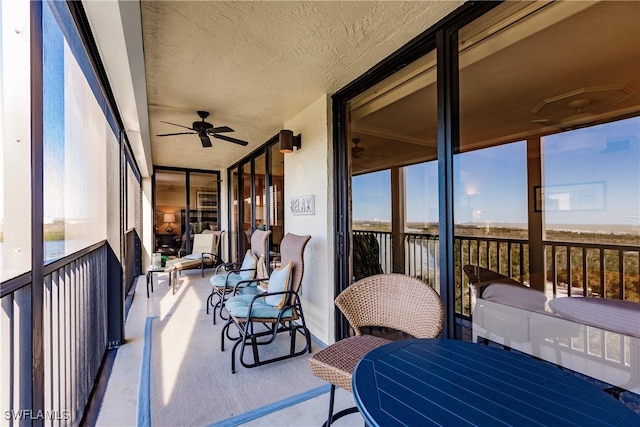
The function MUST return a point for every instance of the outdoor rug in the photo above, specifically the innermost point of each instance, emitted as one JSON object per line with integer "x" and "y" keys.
{"x": 187, "y": 378}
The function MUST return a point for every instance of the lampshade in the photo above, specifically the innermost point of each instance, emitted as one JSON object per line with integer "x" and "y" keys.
{"x": 169, "y": 218}
{"x": 288, "y": 141}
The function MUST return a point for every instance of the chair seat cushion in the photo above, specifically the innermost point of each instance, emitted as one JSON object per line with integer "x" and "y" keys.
{"x": 336, "y": 362}
{"x": 229, "y": 279}
{"x": 238, "y": 306}
{"x": 182, "y": 263}
{"x": 516, "y": 296}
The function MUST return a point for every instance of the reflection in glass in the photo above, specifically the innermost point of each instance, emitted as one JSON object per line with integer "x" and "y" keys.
{"x": 546, "y": 179}
{"x": 170, "y": 192}
{"x": 392, "y": 152}
{"x": 235, "y": 216}
{"x": 276, "y": 197}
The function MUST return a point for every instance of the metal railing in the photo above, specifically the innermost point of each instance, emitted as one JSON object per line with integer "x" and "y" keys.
{"x": 74, "y": 339}
{"x": 603, "y": 270}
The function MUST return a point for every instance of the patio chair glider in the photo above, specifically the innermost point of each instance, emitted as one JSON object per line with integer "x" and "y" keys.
{"x": 259, "y": 318}
{"x": 231, "y": 276}
{"x": 204, "y": 253}
{"x": 227, "y": 283}
{"x": 396, "y": 301}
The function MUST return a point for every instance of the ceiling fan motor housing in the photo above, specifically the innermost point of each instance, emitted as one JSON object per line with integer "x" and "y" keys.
{"x": 198, "y": 126}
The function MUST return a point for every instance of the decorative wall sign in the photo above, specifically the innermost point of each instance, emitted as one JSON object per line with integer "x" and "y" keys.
{"x": 303, "y": 205}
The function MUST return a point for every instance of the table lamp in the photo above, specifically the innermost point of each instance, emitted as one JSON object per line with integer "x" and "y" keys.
{"x": 169, "y": 218}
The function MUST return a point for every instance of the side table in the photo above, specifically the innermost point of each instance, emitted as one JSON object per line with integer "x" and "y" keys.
{"x": 150, "y": 272}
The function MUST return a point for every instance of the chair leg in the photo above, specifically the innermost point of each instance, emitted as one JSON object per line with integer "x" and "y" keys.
{"x": 215, "y": 307}
{"x": 331, "y": 398}
{"x": 331, "y": 418}
{"x": 225, "y": 330}
{"x": 210, "y": 302}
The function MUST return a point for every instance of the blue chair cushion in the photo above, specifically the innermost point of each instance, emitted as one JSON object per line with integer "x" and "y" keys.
{"x": 279, "y": 281}
{"x": 248, "y": 263}
{"x": 219, "y": 280}
{"x": 238, "y": 306}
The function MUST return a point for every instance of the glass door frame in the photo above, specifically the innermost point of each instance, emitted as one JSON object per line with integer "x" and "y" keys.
{"x": 248, "y": 162}
{"x": 187, "y": 173}
{"x": 443, "y": 38}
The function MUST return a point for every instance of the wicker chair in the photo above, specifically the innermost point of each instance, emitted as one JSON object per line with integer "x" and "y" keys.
{"x": 205, "y": 252}
{"x": 258, "y": 321}
{"x": 393, "y": 301}
{"x": 229, "y": 276}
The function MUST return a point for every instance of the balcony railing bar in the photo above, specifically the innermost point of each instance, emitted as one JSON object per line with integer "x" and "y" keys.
{"x": 421, "y": 252}
{"x": 585, "y": 279}
{"x": 12, "y": 285}
{"x": 621, "y": 274}
{"x": 74, "y": 336}
{"x": 603, "y": 282}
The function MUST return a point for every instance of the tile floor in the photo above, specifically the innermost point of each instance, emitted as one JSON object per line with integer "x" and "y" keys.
{"x": 119, "y": 406}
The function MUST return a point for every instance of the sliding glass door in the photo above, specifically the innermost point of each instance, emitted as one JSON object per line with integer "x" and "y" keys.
{"x": 257, "y": 199}
{"x": 394, "y": 187}
{"x": 518, "y": 153}
{"x": 186, "y": 203}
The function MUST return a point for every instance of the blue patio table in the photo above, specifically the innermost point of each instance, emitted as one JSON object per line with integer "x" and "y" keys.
{"x": 423, "y": 382}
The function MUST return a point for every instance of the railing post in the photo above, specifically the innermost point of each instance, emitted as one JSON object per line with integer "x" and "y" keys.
{"x": 535, "y": 217}
{"x": 37, "y": 214}
{"x": 115, "y": 300}
{"x": 397, "y": 218}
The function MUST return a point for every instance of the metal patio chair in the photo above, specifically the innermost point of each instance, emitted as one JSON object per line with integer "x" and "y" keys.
{"x": 230, "y": 276}
{"x": 258, "y": 319}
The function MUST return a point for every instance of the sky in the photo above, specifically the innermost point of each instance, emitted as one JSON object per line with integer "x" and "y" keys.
{"x": 590, "y": 176}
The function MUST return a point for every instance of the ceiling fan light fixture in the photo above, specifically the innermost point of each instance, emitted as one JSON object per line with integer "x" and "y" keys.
{"x": 288, "y": 140}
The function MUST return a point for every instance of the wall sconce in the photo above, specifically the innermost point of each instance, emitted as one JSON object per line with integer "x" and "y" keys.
{"x": 288, "y": 141}
{"x": 169, "y": 218}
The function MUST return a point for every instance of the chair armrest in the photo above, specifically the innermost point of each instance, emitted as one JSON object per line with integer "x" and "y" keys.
{"x": 266, "y": 294}
{"x": 257, "y": 279}
{"x": 209, "y": 254}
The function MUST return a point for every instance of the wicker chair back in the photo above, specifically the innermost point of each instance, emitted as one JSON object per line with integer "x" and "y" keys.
{"x": 395, "y": 301}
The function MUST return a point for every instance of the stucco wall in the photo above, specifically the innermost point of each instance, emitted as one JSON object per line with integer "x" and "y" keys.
{"x": 309, "y": 171}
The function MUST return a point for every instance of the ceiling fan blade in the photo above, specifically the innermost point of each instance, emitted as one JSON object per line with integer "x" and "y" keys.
{"x": 228, "y": 138}
{"x": 175, "y": 124}
{"x": 220, "y": 129}
{"x": 206, "y": 142}
{"x": 179, "y": 133}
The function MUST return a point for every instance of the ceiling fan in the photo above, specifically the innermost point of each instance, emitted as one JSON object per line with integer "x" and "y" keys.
{"x": 204, "y": 130}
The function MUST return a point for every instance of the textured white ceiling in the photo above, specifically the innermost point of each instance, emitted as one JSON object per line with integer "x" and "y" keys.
{"x": 254, "y": 65}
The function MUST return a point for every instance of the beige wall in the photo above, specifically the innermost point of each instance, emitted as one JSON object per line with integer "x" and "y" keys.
{"x": 306, "y": 174}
